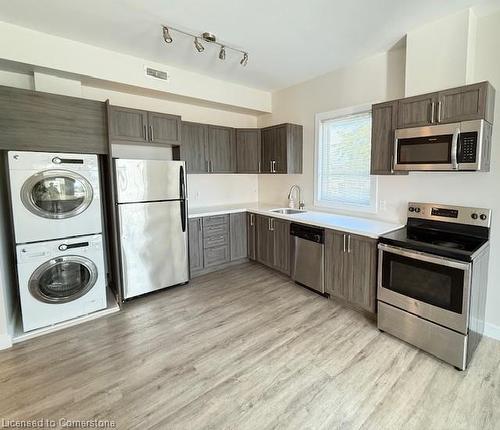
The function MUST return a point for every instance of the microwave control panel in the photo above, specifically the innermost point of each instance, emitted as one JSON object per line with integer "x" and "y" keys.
{"x": 467, "y": 147}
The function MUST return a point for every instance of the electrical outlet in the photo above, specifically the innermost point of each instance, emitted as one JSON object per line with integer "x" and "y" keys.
{"x": 382, "y": 205}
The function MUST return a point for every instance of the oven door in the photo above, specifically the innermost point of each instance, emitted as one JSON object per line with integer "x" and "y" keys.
{"x": 432, "y": 287}
{"x": 427, "y": 148}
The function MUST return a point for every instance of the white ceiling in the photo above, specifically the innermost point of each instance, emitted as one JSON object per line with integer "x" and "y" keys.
{"x": 288, "y": 41}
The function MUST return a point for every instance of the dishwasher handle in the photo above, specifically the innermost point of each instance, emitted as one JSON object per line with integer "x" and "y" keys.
{"x": 312, "y": 234}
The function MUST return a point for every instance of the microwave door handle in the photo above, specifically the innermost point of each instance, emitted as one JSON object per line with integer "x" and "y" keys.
{"x": 454, "y": 150}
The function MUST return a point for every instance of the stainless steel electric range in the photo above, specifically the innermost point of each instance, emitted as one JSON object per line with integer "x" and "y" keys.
{"x": 432, "y": 279}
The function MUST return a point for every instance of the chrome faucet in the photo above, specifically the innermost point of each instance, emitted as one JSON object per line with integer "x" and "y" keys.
{"x": 292, "y": 202}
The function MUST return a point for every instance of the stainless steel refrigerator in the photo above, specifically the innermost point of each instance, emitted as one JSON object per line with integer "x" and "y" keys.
{"x": 152, "y": 211}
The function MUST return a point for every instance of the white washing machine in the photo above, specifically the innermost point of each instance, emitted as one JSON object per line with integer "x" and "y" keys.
{"x": 60, "y": 280}
{"x": 54, "y": 195}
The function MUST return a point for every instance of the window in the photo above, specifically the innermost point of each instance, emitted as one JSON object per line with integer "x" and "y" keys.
{"x": 343, "y": 154}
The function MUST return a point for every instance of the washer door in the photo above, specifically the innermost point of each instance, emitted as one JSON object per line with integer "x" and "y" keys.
{"x": 63, "y": 279}
{"x": 56, "y": 194}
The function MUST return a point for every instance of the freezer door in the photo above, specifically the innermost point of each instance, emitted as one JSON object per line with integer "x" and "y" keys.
{"x": 149, "y": 180}
{"x": 154, "y": 246}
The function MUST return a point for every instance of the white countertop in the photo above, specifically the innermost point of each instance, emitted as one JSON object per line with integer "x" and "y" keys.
{"x": 350, "y": 224}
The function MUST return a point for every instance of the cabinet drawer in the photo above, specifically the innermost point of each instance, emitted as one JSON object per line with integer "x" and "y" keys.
{"x": 215, "y": 230}
{"x": 216, "y": 256}
{"x": 216, "y": 240}
{"x": 215, "y": 220}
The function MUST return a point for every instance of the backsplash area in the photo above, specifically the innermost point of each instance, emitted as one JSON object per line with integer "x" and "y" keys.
{"x": 216, "y": 190}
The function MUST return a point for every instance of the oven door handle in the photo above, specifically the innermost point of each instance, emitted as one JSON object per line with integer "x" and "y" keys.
{"x": 454, "y": 149}
{"x": 422, "y": 256}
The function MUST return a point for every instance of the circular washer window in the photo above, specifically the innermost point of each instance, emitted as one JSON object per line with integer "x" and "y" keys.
{"x": 63, "y": 279}
{"x": 56, "y": 194}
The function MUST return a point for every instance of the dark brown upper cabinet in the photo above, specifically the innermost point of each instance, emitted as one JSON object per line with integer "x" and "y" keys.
{"x": 134, "y": 125}
{"x": 417, "y": 111}
{"x": 248, "y": 150}
{"x": 37, "y": 121}
{"x": 470, "y": 102}
{"x": 221, "y": 149}
{"x": 194, "y": 139}
{"x": 384, "y": 124}
{"x": 281, "y": 149}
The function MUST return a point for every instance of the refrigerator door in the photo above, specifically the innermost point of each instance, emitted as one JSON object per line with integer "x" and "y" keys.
{"x": 153, "y": 246}
{"x": 149, "y": 180}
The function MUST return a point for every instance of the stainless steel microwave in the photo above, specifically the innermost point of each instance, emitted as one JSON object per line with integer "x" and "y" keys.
{"x": 457, "y": 146}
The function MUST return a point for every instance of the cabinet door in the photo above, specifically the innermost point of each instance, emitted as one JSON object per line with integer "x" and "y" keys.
{"x": 238, "y": 235}
{"x": 128, "y": 124}
{"x": 336, "y": 264}
{"x": 221, "y": 149}
{"x": 281, "y": 149}
{"x": 251, "y": 236}
{"x": 384, "y": 121}
{"x": 362, "y": 253}
{"x": 195, "y": 244}
{"x": 265, "y": 241}
{"x": 417, "y": 111}
{"x": 463, "y": 103}
{"x": 248, "y": 150}
{"x": 268, "y": 145}
{"x": 164, "y": 129}
{"x": 193, "y": 147}
{"x": 281, "y": 230}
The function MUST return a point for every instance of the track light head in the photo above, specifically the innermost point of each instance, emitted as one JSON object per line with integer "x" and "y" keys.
{"x": 222, "y": 53}
{"x": 244, "y": 60}
{"x": 166, "y": 35}
{"x": 197, "y": 44}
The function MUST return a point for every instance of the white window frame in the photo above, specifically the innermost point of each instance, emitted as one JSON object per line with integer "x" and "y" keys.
{"x": 321, "y": 204}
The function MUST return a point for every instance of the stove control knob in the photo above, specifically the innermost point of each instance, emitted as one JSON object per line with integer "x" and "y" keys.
{"x": 411, "y": 209}
{"x": 63, "y": 247}
{"x": 483, "y": 217}
{"x": 417, "y": 210}
{"x": 474, "y": 216}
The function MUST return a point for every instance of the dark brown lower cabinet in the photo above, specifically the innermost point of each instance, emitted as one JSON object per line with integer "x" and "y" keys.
{"x": 238, "y": 235}
{"x": 251, "y": 237}
{"x": 351, "y": 268}
{"x": 273, "y": 243}
{"x": 195, "y": 231}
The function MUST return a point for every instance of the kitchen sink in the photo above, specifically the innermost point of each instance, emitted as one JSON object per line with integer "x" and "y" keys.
{"x": 287, "y": 211}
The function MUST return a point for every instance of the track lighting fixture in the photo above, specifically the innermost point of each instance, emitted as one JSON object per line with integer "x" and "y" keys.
{"x": 209, "y": 38}
{"x": 199, "y": 47}
{"x": 222, "y": 53}
{"x": 166, "y": 35}
{"x": 244, "y": 60}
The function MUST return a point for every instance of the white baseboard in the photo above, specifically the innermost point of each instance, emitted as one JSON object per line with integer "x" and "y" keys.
{"x": 5, "y": 341}
{"x": 492, "y": 330}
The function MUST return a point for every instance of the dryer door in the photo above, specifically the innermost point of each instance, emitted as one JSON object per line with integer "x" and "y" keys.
{"x": 56, "y": 194}
{"x": 63, "y": 279}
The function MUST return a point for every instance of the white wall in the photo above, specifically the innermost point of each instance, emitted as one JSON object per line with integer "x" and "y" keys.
{"x": 381, "y": 78}
{"x": 440, "y": 54}
{"x": 44, "y": 51}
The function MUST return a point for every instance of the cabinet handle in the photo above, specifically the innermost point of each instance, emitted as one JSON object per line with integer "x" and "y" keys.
{"x": 392, "y": 163}
{"x": 439, "y": 112}
{"x": 433, "y": 105}
{"x": 145, "y": 133}
{"x": 260, "y": 170}
{"x": 151, "y": 136}
{"x": 349, "y": 243}
{"x": 272, "y": 224}
{"x": 344, "y": 242}
{"x": 271, "y": 166}
{"x": 199, "y": 224}
{"x": 251, "y": 220}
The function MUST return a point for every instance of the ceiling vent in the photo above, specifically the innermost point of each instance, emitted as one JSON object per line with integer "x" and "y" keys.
{"x": 156, "y": 74}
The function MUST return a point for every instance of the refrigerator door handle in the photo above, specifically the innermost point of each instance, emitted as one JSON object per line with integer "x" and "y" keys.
{"x": 183, "y": 215}
{"x": 182, "y": 183}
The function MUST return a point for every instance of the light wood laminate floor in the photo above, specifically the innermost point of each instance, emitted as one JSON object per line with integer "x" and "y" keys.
{"x": 244, "y": 348}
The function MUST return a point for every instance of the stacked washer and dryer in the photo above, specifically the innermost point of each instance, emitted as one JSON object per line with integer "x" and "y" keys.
{"x": 56, "y": 208}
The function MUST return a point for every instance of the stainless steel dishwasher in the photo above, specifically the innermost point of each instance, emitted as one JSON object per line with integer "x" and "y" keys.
{"x": 308, "y": 266}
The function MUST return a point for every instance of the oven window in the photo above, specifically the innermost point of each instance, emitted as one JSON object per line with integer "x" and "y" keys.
{"x": 431, "y": 283}
{"x": 425, "y": 150}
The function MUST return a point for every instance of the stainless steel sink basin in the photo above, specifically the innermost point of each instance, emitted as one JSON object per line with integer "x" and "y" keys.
{"x": 288, "y": 211}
